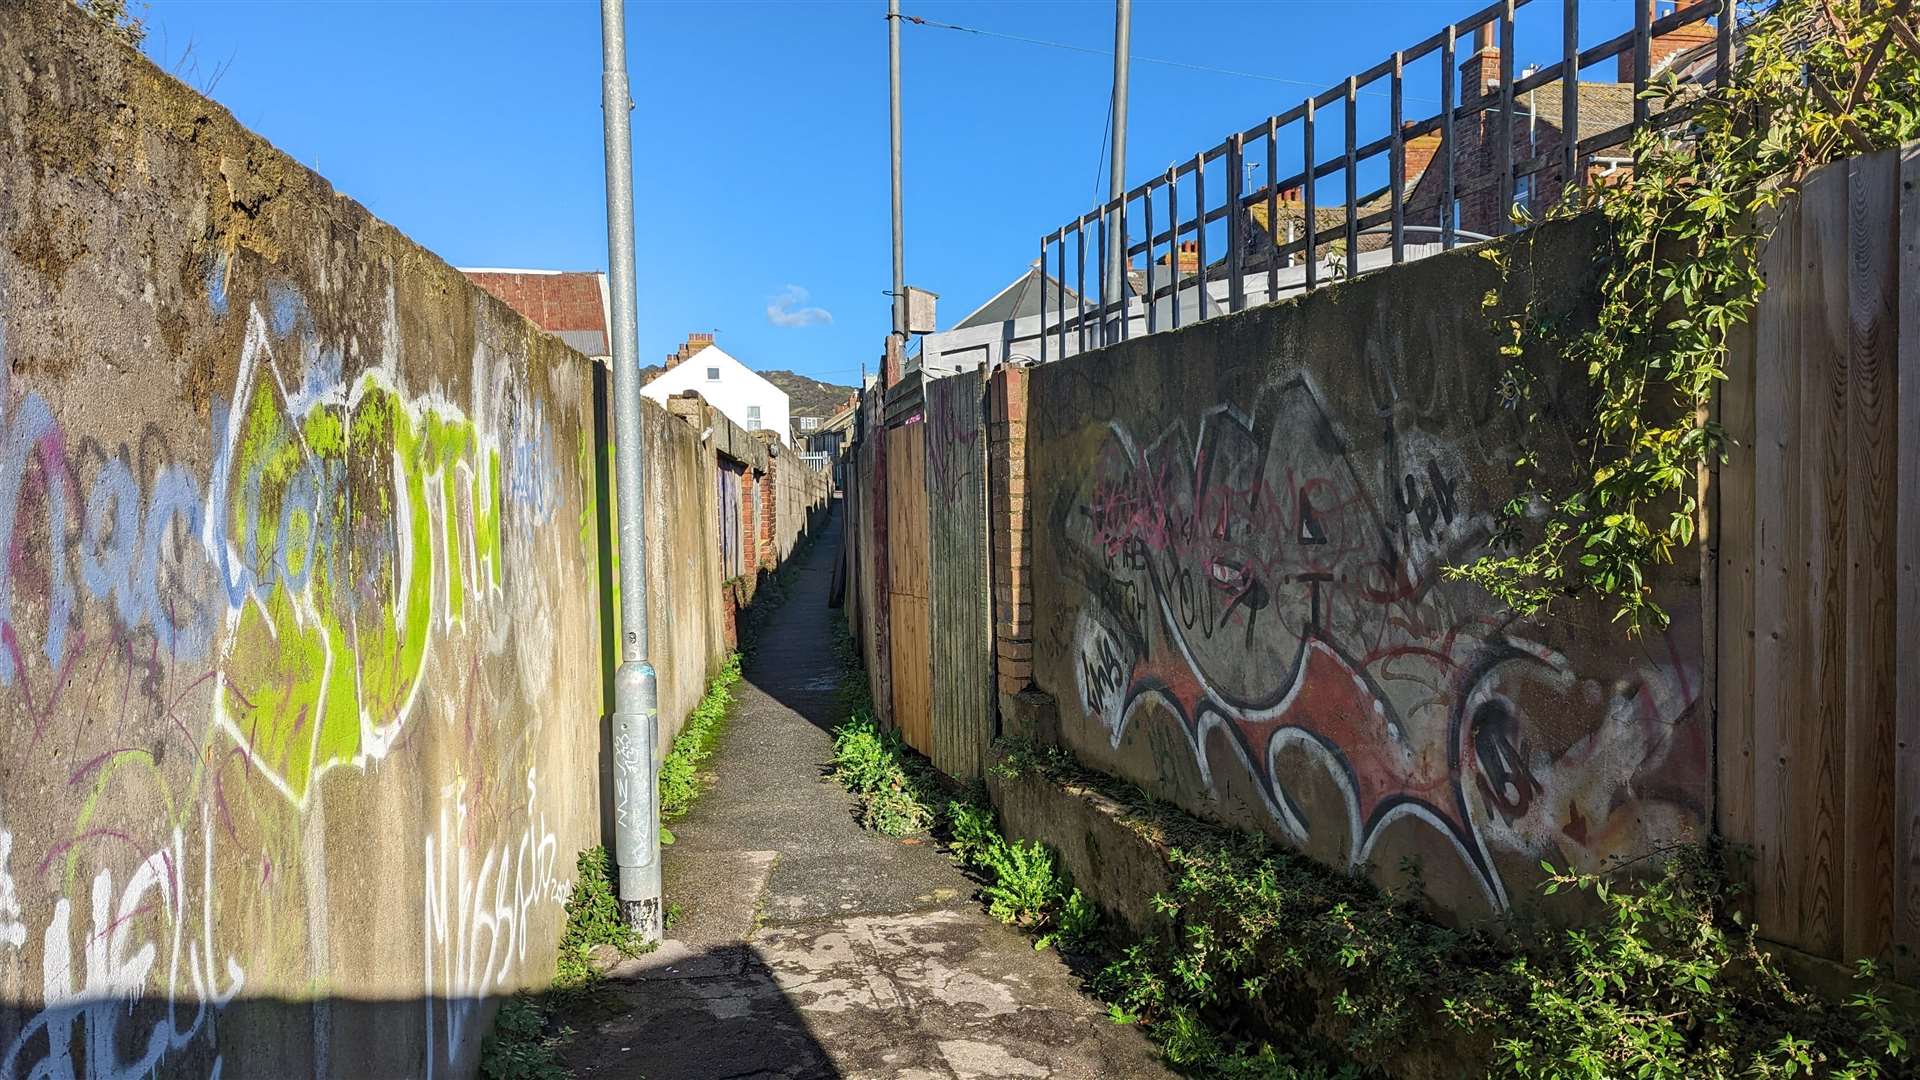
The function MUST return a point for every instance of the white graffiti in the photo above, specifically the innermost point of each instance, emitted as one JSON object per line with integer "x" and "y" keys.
{"x": 12, "y": 931}
{"x": 115, "y": 965}
{"x": 476, "y": 918}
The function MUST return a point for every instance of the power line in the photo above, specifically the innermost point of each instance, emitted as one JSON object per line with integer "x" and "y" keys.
{"x": 920, "y": 21}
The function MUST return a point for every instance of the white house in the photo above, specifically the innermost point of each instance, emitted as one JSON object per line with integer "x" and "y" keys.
{"x": 727, "y": 384}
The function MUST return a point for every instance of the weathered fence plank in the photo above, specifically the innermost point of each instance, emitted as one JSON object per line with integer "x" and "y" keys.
{"x": 1775, "y": 462}
{"x": 909, "y": 635}
{"x": 962, "y": 650}
{"x": 1906, "y": 741}
{"x": 1868, "y": 824}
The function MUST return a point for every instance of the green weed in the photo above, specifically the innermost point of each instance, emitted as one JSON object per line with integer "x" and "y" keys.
{"x": 680, "y": 780}
{"x": 520, "y": 1047}
{"x": 593, "y": 918}
{"x": 894, "y": 791}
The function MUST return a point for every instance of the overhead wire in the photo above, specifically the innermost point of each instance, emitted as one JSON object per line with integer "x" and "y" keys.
{"x": 919, "y": 20}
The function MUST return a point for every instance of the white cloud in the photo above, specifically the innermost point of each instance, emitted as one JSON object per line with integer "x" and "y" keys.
{"x": 789, "y": 307}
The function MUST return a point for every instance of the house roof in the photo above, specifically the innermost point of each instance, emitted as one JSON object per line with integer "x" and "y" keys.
{"x": 569, "y": 304}
{"x": 1021, "y": 299}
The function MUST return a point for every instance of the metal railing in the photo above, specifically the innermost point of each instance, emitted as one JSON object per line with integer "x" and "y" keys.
{"x": 1475, "y": 156}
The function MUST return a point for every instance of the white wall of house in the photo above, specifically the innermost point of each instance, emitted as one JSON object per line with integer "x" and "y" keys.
{"x": 728, "y": 385}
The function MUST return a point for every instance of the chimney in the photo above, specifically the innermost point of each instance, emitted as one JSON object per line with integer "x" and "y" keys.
{"x": 1189, "y": 257}
{"x": 1480, "y": 73}
{"x": 693, "y": 344}
{"x": 1415, "y": 155}
{"x": 1664, "y": 47}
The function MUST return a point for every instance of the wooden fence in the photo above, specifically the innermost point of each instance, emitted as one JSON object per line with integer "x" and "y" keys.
{"x": 1818, "y": 627}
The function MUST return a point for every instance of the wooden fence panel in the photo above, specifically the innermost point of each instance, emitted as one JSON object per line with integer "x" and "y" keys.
{"x": 909, "y": 641}
{"x": 1819, "y": 537}
{"x": 963, "y": 673}
{"x": 1906, "y": 928}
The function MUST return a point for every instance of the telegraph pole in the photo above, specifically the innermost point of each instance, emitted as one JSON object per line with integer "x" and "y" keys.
{"x": 1116, "y": 284}
{"x": 636, "y": 696}
{"x": 893, "y": 104}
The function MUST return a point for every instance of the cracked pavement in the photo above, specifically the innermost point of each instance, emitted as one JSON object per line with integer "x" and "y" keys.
{"x": 807, "y": 947}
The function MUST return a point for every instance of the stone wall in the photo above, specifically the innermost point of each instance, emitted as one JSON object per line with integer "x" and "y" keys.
{"x": 1239, "y": 531}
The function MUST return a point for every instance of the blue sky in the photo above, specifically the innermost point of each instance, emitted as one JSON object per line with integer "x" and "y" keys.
{"x": 760, "y": 137}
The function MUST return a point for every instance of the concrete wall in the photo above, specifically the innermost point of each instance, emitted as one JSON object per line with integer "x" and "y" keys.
{"x": 1239, "y": 531}
{"x": 304, "y": 611}
{"x": 800, "y": 494}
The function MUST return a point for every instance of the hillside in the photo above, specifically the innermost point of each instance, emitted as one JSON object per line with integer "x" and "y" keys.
{"x": 808, "y": 397}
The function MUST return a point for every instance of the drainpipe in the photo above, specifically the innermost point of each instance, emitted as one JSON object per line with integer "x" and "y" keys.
{"x": 636, "y": 695}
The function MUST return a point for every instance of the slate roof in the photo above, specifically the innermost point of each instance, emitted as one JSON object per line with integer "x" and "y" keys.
{"x": 1021, "y": 299}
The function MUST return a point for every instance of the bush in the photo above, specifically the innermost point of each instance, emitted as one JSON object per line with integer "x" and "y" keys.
{"x": 1669, "y": 983}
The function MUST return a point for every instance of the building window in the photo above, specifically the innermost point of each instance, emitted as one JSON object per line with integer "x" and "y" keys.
{"x": 713, "y": 374}
{"x": 809, "y": 423}
{"x": 753, "y": 418}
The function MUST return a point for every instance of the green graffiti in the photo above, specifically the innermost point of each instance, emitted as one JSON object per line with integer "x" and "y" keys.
{"x": 347, "y": 518}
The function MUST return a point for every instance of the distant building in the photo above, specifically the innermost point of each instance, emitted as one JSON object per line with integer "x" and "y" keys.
{"x": 825, "y": 445}
{"x": 1004, "y": 329}
{"x": 569, "y": 304}
{"x": 736, "y": 390}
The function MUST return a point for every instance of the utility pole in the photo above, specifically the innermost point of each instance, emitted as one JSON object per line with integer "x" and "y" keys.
{"x": 1117, "y": 180}
{"x": 636, "y": 695}
{"x": 893, "y": 117}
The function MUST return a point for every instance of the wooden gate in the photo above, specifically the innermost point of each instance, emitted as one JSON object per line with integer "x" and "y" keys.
{"x": 962, "y": 653}
{"x": 1818, "y": 675}
{"x": 908, "y": 639}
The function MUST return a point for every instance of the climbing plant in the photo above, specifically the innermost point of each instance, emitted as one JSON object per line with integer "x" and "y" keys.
{"x": 1815, "y": 81}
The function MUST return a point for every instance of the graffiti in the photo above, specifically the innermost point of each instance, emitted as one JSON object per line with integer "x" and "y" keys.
{"x": 12, "y": 931}
{"x": 1283, "y": 602}
{"x": 476, "y": 918}
{"x": 194, "y": 632}
{"x": 116, "y": 962}
{"x": 357, "y": 510}
{"x": 953, "y": 442}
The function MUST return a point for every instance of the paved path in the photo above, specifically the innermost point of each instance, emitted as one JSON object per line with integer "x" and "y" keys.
{"x": 809, "y": 947}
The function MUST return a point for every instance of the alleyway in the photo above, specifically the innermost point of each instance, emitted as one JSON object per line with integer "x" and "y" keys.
{"x": 808, "y": 947}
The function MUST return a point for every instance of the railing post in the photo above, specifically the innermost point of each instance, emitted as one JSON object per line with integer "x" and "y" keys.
{"x": 1311, "y": 228}
{"x": 1080, "y": 279}
{"x": 1397, "y": 164}
{"x": 1353, "y": 181}
{"x": 1060, "y": 290}
{"x": 1642, "y": 63}
{"x": 1273, "y": 208}
{"x": 1200, "y": 227}
{"x": 1146, "y": 205}
{"x": 1447, "y": 198}
{"x": 1106, "y": 279}
{"x": 1173, "y": 239}
{"x": 1043, "y": 300}
{"x": 1572, "y": 175}
{"x": 1503, "y": 218}
{"x": 1236, "y": 169}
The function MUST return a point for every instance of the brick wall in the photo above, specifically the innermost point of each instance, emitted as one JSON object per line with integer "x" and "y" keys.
{"x": 1009, "y": 523}
{"x": 768, "y": 548}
